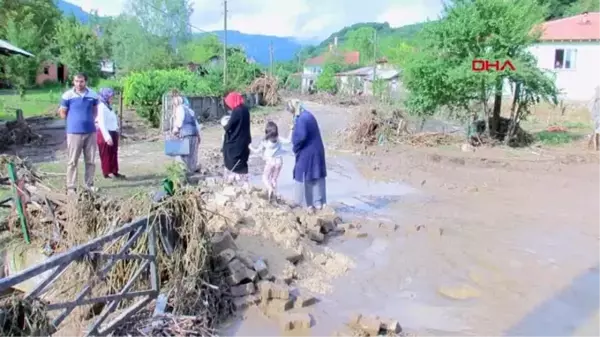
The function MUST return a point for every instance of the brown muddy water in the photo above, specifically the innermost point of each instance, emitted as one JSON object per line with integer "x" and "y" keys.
{"x": 376, "y": 285}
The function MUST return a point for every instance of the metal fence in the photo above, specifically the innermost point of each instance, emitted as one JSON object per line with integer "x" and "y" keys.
{"x": 94, "y": 251}
{"x": 207, "y": 108}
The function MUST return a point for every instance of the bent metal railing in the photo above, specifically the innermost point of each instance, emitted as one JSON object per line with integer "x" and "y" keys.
{"x": 93, "y": 250}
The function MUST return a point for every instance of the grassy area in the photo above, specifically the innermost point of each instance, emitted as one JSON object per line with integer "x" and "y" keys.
{"x": 36, "y": 102}
{"x": 261, "y": 111}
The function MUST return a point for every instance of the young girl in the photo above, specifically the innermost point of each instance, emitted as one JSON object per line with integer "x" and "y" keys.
{"x": 272, "y": 151}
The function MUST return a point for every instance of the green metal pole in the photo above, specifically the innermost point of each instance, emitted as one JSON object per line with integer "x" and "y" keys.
{"x": 12, "y": 174}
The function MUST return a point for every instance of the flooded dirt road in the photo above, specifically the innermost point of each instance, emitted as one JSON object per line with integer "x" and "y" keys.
{"x": 509, "y": 250}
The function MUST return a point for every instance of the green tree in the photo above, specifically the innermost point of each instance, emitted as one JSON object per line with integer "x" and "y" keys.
{"x": 134, "y": 49}
{"x": 164, "y": 18}
{"x": 19, "y": 70}
{"x": 395, "y": 49}
{"x": 440, "y": 73}
{"x": 201, "y": 49}
{"x": 327, "y": 82}
{"x": 80, "y": 48}
{"x": 363, "y": 41}
{"x": 30, "y": 26}
{"x": 581, "y": 6}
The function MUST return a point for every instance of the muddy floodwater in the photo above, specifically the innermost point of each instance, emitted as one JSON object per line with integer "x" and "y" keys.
{"x": 520, "y": 262}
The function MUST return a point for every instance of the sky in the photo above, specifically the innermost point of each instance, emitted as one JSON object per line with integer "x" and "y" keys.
{"x": 303, "y": 19}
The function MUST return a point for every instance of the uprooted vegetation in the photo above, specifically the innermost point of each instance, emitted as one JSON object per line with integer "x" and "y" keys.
{"x": 373, "y": 126}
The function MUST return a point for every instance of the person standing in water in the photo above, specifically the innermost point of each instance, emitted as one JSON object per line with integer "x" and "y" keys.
{"x": 310, "y": 170}
{"x": 271, "y": 150}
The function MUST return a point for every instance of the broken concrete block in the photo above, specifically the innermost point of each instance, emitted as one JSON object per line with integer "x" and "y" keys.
{"x": 224, "y": 258}
{"x": 304, "y": 301}
{"x": 355, "y": 233}
{"x": 246, "y": 259}
{"x": 288, "y": 273}
{"x": 261, "y": 268}
{"x": 294, "y": 321}
{"x": 370, "y": 324}
{"x": 239, "y": 272}
{"x": 344, "y": 227}
{"x": 241, "y": 303}
{"x": 392, "y": 327}
{"x": 316, "y": 235}
{"x": 243, "y": 290}
{"x": 294, "y": 257}
{"x": 326, "y": 227}
{"x": 222, "y": 241}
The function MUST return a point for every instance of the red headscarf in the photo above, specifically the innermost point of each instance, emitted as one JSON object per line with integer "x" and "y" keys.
{"x": 233, "y": 100}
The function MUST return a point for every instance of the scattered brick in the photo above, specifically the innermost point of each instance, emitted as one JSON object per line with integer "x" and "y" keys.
{"x": 356, "y": 233}
{"x": 246, "y": 259}
{"x": 294, "y": 257}
{"x": 371, "y": 325}
{"x": 243, "y": 290}
{"x": 280, "y": 291}
{"x": 224, "y": 258}
{"x": 239, "y": 272}
{"x": 294, "y": 321}
{"x": 222, "y": 241}
{"x": 241, "y": 303}
{"x": 316, "y": 235}
{"x": 388, "y": 226}
{"x": 265, "y": 289}
{"x": 304, "y": 301}
{"x": 276, "y": 306}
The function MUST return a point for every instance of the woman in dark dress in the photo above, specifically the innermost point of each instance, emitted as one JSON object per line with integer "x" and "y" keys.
{"x": 310, "y": 169}
{"x": 236, "y": 140}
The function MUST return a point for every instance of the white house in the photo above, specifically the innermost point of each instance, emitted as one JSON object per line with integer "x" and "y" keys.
{"x": 570, "y": 47}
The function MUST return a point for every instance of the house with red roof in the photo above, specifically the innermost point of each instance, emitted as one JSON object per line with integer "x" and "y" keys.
{"x": 570, "y": 47}
{"x": 313, "y": 67}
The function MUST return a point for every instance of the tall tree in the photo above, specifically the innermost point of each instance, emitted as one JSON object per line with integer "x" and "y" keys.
{"x": 164, "y": 18}
{"x": 134, "y": 49}
{"x": 363, "y": 41}
{"x": 440, "y": 73}
{"x": 201, "y": 49}
{"x": 581, "y": 6}
{"x": 79, "y": 47}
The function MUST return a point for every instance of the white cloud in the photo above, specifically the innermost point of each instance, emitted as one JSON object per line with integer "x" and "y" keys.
{"x": 298, "y": 18}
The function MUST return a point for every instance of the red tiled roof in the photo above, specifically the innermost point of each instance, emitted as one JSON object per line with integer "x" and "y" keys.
{"x": 578, "y": 27}
{"x": 352, "y": 57}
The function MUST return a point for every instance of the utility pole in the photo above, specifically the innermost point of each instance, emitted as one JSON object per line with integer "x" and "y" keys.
{"x": 225, "y": 43}
{"x": 271, "y": 56}
{"x": 374, "y": 55}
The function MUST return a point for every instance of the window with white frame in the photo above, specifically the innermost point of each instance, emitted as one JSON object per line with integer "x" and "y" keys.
{"x": 565, "y": 58}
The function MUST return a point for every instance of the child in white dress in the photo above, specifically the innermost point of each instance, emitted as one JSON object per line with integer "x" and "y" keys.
{"x": 272, "y": 151}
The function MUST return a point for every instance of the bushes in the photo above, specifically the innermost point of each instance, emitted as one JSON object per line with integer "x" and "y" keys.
{"x": 116, "y": 85}
{"x": 144, "y": 90}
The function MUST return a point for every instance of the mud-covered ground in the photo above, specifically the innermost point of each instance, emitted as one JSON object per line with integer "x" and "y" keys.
{"x": 490, "y": 242}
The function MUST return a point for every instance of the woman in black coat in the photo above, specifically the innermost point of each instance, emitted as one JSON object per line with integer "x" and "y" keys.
{"x": 236, "y": 140}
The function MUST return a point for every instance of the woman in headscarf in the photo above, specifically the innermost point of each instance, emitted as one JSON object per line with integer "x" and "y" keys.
{"x": 186, "y": 126}
{"x": 107, "y": 125}
{"x": 309, "y": 170}
{"x": 236, "y": 139}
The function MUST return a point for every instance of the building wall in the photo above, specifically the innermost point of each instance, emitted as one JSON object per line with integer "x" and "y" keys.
{"x": 578, "y": 83}
{"x": 49, "y": 72}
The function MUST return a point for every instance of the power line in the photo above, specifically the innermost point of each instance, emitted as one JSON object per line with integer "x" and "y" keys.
{"x": 167, "y": 14}
{"x": 224, "y": 43}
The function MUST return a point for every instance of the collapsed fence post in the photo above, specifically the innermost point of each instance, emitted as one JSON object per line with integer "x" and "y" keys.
{"x": 12, "y": 174}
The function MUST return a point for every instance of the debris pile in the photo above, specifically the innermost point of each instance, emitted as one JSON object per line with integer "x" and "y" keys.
{"x": 361, "y": 325}
{"x": 267, "y": 87}
{"x": 20, "y": 317}
{"x": 371, "y": 126}
{"x": 17, "y": 133}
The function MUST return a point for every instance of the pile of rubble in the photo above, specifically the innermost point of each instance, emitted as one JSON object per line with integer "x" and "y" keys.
{"x": 253, "y": 284}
